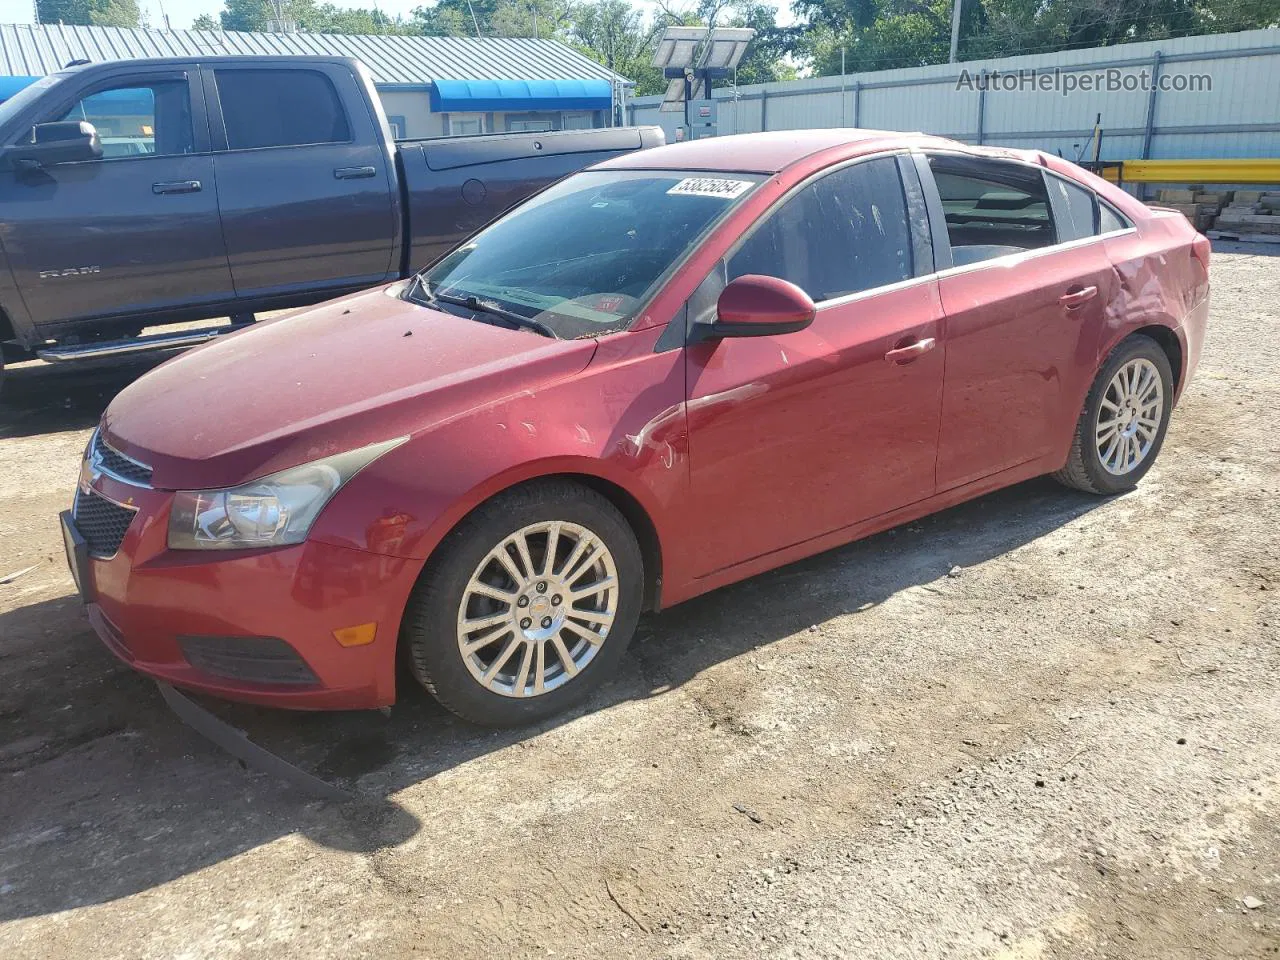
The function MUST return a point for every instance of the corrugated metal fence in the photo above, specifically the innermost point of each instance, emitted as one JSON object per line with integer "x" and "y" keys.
{"x": 1209, "y": 96}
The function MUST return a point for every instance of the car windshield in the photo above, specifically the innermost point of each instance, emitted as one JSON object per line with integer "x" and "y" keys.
{"x": 583, "y": 256}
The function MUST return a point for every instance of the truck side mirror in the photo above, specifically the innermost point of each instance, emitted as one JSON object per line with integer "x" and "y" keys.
{"x": 66, "y": 141}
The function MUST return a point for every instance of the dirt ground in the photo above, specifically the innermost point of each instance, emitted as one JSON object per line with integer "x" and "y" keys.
{"x": 1067, "y": 749}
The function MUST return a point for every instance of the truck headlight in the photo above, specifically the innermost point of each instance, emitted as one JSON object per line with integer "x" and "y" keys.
{"x": 270, "y": 512}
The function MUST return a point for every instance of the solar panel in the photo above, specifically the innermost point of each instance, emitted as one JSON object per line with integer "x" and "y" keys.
{"x": 678, "y": 46}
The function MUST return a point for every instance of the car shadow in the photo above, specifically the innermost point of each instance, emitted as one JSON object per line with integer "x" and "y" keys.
{"x": 42, "y": 398}
{"x": 109, "y": 795}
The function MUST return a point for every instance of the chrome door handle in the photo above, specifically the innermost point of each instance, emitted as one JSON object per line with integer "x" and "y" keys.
{"x": 177, "y": 186}
{"x": 354, "y": 173}
{"x": 1076, "y": 298}
{"x": 911, "y": 351}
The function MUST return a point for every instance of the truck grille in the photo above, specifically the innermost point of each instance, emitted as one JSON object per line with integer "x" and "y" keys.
{"x": 117, "y": 464}
{"x": 102, "y": 523}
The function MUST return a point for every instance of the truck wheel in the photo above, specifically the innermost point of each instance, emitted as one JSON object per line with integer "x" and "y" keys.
{"x": 527, "y": 606}
{"x": 1123, "y": 424}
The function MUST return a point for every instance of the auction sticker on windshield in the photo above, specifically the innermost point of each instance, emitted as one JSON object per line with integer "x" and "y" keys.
{"x": 711, "y": 187}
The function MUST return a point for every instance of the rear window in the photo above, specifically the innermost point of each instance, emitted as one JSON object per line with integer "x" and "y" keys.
{"x": 992, "y": 207}
{"x": 280, "y": 108}
{"x": 1109, "y": 220}
{"x": 1079, "y": 213}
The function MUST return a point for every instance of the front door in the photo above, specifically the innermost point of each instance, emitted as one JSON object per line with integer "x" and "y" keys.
{"x": 813, "y": 431}
{"x": 304, "y": 184}
{"x": 1024, "y": 316}
{"x": 134, "y": 232}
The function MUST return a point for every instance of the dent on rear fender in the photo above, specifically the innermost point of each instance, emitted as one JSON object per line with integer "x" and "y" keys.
{"x": 1155, "y": 288}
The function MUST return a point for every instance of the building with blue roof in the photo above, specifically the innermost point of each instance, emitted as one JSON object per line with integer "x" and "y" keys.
{"x": 430, "y": 86}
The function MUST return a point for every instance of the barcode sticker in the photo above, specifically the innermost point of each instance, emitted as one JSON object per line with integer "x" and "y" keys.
{"x": 711, "y": 187}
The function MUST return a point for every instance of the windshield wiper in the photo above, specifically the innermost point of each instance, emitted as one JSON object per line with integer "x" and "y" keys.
{"x": 484, "y": 306}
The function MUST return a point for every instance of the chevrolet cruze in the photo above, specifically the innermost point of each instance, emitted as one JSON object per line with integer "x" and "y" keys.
{"x": 661, "y": 375}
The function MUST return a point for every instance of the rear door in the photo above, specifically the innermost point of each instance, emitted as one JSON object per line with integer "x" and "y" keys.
{"x": 133, "y": 232}
{"x": 1025, "y": 300}
{"x": 813, "y": 431}
{"x": 304, "y": 182}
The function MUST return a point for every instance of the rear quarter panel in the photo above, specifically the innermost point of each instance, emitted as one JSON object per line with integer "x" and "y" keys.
{"x": 1160, "y": 283}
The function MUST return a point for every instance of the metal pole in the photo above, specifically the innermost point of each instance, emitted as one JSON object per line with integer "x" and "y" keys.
{"x": 982, "y": 105}
{"x": 955, "y": 30}
{"x": 1151, "y": 106}
{"x": 844, "y": 120}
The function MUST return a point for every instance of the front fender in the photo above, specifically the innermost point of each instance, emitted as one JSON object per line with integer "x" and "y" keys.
{"x": 622, "y": 421}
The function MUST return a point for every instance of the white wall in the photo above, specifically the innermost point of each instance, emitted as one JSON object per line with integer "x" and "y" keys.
{"x": 415, "y": 107}
{"x": 1239, "y": 117}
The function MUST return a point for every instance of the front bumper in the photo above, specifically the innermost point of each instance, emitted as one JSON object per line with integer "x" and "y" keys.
{"x": 255, "y": 626}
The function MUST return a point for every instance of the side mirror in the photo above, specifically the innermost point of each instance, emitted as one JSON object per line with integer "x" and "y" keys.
{"x": 756, "y": 306}
{"x": 66, "y": 141}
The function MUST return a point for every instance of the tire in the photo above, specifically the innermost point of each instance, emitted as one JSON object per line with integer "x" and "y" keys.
{"x": 456, "y": 583}
{"x": 1086, "y": 468}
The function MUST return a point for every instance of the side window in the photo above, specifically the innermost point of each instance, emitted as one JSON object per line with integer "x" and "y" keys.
{"x": 139, "y": 120}
{"x": 1076, "y": 209}
{"x": 280, "y": 108}
{"x": 842, "y": 234}
{"x": 992, "y": 208}
{"x": 1109, "y": 220}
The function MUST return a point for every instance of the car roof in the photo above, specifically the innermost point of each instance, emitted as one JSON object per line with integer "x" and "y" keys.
{"x": 762, "y": 152}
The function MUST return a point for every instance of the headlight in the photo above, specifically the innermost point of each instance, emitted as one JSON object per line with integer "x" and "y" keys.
{"x": 270, "y": 512}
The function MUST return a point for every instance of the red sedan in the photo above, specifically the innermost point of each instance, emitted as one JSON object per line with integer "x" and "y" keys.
{"x": 664, "y": 374}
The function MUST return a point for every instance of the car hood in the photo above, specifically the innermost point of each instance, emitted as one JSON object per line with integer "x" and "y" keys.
{"x": 350, "y": 372}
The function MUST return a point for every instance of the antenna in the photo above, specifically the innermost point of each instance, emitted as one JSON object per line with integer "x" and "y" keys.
{"x": 280, "y": 22}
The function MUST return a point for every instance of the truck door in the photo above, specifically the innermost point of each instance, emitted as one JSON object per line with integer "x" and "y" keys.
{"x": 133, "y": 232}
{"x": 304, "y": 185}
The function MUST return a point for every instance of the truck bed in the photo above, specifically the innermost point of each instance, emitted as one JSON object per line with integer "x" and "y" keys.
{"x": 455, "y": 185}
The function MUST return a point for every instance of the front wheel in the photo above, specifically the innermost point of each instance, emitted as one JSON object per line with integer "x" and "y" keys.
{"x": 1123, "y": 424}
{"x": 527, "y": 606}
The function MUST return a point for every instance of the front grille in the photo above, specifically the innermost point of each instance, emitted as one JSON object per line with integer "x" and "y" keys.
{"x": 116, "y": 463}
{"x": 102, "y": 523}
{"x": 255, "y": 659}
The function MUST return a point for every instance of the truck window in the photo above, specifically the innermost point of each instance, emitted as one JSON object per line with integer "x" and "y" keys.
{"x": 139, "y": 120}
{"x": 280, "y": 108}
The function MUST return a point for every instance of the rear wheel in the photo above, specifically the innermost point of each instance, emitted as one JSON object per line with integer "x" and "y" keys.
{"x": 1123, "y": 424}
{"x": 527, "y": 606}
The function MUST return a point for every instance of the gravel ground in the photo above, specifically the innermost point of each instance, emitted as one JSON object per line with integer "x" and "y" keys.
{"x": 1067, "y": 748}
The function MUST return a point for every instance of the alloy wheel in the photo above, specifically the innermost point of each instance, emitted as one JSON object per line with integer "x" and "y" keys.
{"x": 537, "y": 609}
{"x": 1129, "y": 416}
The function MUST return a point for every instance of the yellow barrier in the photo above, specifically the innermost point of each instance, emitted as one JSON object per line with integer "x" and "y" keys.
{"x": 1260, "y": 170}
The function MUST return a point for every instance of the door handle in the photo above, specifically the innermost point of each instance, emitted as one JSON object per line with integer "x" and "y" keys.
{"x": 354, "y": 173}
{"x": 911, "y": 351}
{"x": 1077, "y": 297}
{"x": 177, "y": 186}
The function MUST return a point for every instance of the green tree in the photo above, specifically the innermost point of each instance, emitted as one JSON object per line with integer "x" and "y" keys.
{"x": 311, "y": 17}
{"x": 882, "y": 34}
{"x": 97, "y": 13}
{"x": 614, "y": 33}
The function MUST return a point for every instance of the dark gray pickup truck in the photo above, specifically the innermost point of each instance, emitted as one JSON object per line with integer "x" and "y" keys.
{"x": 143, "y": 193}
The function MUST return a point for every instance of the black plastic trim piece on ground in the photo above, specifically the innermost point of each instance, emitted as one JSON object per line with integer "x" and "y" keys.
{"x": 241, "y": 747}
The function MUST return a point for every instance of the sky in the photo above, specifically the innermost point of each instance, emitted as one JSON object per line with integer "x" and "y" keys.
{"x": 182, "y": 12}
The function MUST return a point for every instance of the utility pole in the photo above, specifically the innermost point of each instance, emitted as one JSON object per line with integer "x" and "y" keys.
{"x": 955, "y": 29}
